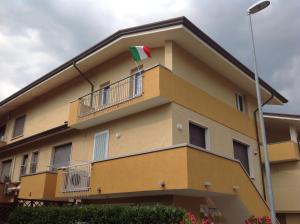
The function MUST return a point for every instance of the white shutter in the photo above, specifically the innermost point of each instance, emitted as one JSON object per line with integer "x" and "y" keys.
{"x": 101, "y": 146}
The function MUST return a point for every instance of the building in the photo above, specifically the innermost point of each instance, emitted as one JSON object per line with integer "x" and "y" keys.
{"x": 181, "y": 133}
{"x": 283, "y": 143}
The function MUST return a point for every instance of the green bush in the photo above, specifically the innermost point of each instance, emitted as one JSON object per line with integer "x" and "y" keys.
{"x": 98, "y": 214}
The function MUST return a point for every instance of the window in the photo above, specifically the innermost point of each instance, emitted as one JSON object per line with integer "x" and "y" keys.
{"x": 2, "y": 132}
{"x": 197, "y": 135}
{"x": 61, "y": 156}
{"x": 33, "y": 162}
{"x": 241, "y": 154}
{"x": 240, "y": 102}
{"x": 137, "y": 84}
{"x": 23, "y": 167}
{"x": 281, "y": 218}
{"x": 101, "y": 145}
{"x": 104, "y": 93}
{"x": 19, "y": 126}
{"x": 5, "y": 170}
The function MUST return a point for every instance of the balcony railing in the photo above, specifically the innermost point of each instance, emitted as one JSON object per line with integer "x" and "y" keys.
{"x": 76, "y": 178}
{"x": 110, "y": 95}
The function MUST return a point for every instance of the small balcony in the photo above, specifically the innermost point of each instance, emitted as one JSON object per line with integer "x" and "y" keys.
{"x": 76, "y": 178}
{"x": 282, "y": 152}
{"x": 38, "y": 186}
{"x": 127, "y": 96}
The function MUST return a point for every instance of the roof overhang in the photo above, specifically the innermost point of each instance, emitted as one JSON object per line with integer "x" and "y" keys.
{"x": 281, "y": 122}
{"x": 179, "y": 30}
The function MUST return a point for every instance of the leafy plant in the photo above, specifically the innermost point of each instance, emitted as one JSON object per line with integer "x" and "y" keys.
{"x": 99, "y": 214}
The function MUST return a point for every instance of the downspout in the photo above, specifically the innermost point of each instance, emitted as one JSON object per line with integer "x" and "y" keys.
{"x": 258, "y": 145}
{"x": 89, "y": 81}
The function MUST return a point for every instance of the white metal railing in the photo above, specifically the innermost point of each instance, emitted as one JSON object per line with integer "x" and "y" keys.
{"x": 118, "y": 92}
{"x": 76, "y": 178}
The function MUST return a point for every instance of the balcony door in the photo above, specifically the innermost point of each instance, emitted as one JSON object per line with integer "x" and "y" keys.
{"x": 61, "y": 156}
{"x": 137, "y": 84}
{"x": 101, "y": 145}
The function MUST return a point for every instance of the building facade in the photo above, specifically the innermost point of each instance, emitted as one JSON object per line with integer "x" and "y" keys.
{"x": 283, "y": 143}
{"x": 179, "y": 130}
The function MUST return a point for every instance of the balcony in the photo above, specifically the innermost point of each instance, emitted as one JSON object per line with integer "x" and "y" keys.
{"x": 157, "y": 86}
{"x": 282, "y": 152}
{"x": 38, "y": 186}
{"x": 130, "y": 95}
{"x": 177, "y": 170}
{"x": 76, "y": 178}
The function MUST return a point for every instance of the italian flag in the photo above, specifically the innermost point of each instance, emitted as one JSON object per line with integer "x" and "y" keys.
{"x": 139, "y": 53}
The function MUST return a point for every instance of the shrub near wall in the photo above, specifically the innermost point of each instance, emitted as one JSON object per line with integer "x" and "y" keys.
{"x": 95, "y": 214}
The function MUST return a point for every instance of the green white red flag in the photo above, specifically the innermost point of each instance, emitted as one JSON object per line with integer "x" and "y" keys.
{"x": 139, "y": 53}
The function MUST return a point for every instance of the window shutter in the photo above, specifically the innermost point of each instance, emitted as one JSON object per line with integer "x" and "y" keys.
{"x": 5, "y": 170}
{"x": 19, "y": 126}
{"x": 241, "y": 154}
{"x": 101, "y": 146}
{"x": 61, "y": 156}
{"x": 197, "y": 135}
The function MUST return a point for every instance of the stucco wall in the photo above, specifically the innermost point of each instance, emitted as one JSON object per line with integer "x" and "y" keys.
{"x": 143, "y": 131}
{"x": 286, "y": 185}
{"x": 51, "y": 110}
{"x": 220, "y": 138}
{"x": 198, "y": 73}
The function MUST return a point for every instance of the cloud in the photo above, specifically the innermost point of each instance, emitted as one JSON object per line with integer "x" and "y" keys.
{"x": 37, "y": 36}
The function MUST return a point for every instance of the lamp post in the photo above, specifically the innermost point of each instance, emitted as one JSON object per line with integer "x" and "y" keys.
{"x": 252, "y": 10}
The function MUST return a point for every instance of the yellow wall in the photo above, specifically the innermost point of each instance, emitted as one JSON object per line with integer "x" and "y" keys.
{"x": 52, "y": 109}
{"x": 220, "y": 138}
{"x": 182, "y": 168}
{"x": 201, "y": 75}
{"x": 38, "y": 186}
{"x": 145, "y": 130}
{"x": 286, "y": 185}
{"x": 282, "y": 152}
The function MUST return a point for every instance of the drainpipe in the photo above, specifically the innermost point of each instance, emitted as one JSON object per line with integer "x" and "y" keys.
{"x": 89, "y": 81}
{"x": 258, "y": 145}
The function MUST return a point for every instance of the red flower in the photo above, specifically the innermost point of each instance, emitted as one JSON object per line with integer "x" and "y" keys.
{"x": 268, "y": 220}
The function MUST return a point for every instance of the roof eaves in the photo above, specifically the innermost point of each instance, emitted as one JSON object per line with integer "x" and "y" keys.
{"x": 162, "y": 24}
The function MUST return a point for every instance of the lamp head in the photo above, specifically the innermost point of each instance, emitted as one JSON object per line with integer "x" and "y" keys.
{"x": 258, "y": 6}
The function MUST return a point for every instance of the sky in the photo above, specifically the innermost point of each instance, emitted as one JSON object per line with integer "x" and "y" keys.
{"x": 37, "y": 36}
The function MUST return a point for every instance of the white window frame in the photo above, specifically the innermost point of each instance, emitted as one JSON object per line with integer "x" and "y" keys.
{"x": 238, "y": 106}
{"x": 250, "y": 153}
{"x": 20, "y": 168}
{"x": 37, "y": 162}
{"x": 106, "y": 146}
{"x": 137, "y": 78}
{"x": 11, "y": 166}
{"x": 207, "y": 134}
{"x": 103, "y": 90}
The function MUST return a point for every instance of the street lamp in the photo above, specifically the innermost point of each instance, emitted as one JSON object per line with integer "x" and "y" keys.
{"x": 252, "y": 10}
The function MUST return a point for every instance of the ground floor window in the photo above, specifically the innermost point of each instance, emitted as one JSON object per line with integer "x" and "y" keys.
{"x": 61, "y": 156}
{"x": 281, "y": 218}
{"x": 241, "y": 154}
{"x": 197, "y": 135}
{"x": 5, "y": 170}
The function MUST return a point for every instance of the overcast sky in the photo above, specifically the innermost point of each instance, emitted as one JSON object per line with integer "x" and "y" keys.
{"x": 38, "y": 35}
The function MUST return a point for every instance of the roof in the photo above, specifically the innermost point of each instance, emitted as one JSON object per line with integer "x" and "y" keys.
{"x": 148, "y": 27}
{"x": 282, "y": 115}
